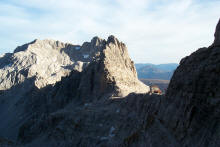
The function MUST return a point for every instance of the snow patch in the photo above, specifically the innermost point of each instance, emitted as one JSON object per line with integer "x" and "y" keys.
{"x": 85, "y": 56}
{"x": 104, "y": 138}
{"x": 112, "y": 130}
{"x": 77, "y": 48}
{"x": 87, "y": 104}
{"x": 111, "y": 134}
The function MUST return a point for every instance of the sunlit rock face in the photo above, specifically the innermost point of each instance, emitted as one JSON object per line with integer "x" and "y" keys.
{"x": 45, "y": 60}
{"x": 48, "y": 60}
{"x": 120, "y": 69}
{"x": 46, "y": 75}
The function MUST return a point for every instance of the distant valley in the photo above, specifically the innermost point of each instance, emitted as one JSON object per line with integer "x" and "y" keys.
{"x": 156, "y": 74}
{"x": 152, "y": 71}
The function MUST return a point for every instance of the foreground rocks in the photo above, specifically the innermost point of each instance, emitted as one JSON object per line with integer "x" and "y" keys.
{"x": 191, "y": 108}
{"x": 93, "y": 107}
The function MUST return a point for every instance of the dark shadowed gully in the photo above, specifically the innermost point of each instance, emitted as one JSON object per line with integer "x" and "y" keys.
{"x": 55, "y": 94}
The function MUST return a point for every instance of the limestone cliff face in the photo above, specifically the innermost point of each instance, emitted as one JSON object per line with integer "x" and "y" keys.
{"x": 45, "y": 60}
{"x": 119, "y": 69}
{"x": 48, "y": 60}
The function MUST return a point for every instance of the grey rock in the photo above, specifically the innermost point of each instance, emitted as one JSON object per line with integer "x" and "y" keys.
{"x": 49, "y": 60}
{"x": 217, "y": 35}
{"x": 45, "y": 60}
{"x": 191, "y": 108}
{"x": 44, "y": 76}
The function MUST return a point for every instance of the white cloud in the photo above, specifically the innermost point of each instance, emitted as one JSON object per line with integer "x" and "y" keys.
{"x": 155, "y": 31}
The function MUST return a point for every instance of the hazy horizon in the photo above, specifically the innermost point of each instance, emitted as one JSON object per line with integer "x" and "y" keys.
{"x": 155, "y": 32}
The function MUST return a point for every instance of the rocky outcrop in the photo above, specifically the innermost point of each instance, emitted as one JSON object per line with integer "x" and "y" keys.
{"x": 217, "y": 35}
{"x": 191, "y": 107}
{"x": 48, "y": 60}
{"x": 112, "y": 72}
{"x": 120, "y": 69}
{"x": 155, "y": 90}
{"x": 42, "y": 77}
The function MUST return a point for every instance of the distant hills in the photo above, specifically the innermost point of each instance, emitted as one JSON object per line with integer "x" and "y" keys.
{"x": 152, "y": 71}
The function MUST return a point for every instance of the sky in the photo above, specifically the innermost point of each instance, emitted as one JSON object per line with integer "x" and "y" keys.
{"x": 155, "y": 31}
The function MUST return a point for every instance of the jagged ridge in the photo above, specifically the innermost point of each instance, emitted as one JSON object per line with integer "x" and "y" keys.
{"x": 33, "y": 78}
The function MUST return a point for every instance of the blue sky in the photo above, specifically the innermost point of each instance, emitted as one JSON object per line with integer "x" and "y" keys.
{"x": 156, "y": 31}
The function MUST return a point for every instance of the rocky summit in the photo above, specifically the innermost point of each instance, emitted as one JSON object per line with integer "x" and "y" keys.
{"x": 31, "y": 76}
{"x": 95, "y": 98}
{"x": 47, "y": 61}
{"x": 217, "y": 36}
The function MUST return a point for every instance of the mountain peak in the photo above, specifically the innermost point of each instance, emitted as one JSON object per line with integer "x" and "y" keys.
{"x": 43, "y": 44}
{"x": 96, "y": 41}
{"x": 112, "y": 39}
{"x": 45, "y": 72}
{"x": 217, "y": 35}
{"x": 48, "y": 60}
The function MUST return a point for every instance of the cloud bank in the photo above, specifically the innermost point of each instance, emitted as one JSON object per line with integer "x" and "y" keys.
{"x": 156, "y": 31}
